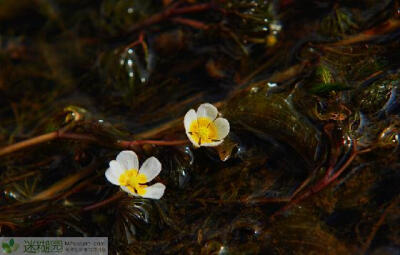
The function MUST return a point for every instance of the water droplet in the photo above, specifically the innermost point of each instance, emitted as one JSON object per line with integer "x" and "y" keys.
{"x": 10, "y": 194}
{"x": 254, "y": 90}
{"x": 189, "y": 152}
{"x": 67, "y": 203}
{"x": 389, "y": 136}
{"x": 275, "y": 25}
{"x": 222, "y": 250}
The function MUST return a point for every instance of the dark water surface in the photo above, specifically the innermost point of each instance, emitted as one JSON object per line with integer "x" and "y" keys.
{"x": 310, "y": 88}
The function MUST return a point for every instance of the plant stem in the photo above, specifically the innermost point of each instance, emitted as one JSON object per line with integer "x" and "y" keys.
{"x": 378, "y": 224}
{"x": 320, "y": 185}
{"x": 42, "y": 139}
{"x": 64, "y": 184}
{"x": 170, "y": 12}
{"x": 81, "y": 137}
{"x": 103, "y": 203}
{"x": 27, "y": 143}
{"x": 128, "y": 144}
{"x": 189, "y": 22}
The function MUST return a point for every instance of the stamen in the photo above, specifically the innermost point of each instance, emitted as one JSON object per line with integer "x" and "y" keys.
{"x": 212, "y": 121}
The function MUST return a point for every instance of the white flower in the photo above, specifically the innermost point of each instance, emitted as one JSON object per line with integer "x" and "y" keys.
{"x": 203, "y": 128}
{"x": 124, "y": 173}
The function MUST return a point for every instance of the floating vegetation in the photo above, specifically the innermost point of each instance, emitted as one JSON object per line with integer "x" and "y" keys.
{"x": 297, "y": 151}
{"x": 204, "y": 128}
{"x": 125, "y": 172}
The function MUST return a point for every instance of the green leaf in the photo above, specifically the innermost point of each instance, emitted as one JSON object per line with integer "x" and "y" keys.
{"x": 324, "y": 74}
{"x": 15, "y": 247}
{"x": 11, "y": 242}
{"x": 324, "y": 88}
{"x": 5, "y": 246}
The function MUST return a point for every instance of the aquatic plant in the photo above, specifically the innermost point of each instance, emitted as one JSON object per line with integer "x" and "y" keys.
{"x": 310, "y": 90}
{"x": 204, "y": 127}
{"x": 124, "y": 172}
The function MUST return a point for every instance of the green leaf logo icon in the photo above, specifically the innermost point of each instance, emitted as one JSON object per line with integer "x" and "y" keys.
{"x": 10, "y": 246}
{"x": 6, "y": 248}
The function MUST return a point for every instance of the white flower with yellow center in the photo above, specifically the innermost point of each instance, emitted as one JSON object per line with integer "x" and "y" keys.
{"x": 204, "y": 128}
{"x": 124, "y": 173}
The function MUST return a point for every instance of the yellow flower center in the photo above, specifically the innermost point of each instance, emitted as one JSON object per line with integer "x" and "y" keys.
{"x": 203, "y": 130}
{"x": 134, "y": 181}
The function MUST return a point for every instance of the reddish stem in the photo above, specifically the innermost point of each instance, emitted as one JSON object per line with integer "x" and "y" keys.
{"x": 378, "y": 224}
{"x": 128, "y": 144}
{"x": 192, "y": 23}
{"x": 103, "y": 203}
{"x": 172, "y": 11}
{"x": 82, "y": 137}
{"x": 74, "y": 136}
{"x": 137, "y": 42}
{"x": 323, "y": 183}
{"x": 193, "y": 8}
{"x": 8, "y": 224}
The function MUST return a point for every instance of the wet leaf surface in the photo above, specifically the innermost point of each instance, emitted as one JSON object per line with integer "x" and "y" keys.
{"x": 310, "y": 89}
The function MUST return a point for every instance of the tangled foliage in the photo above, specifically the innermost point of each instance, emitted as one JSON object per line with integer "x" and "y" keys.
{"x": 311, "y": 89}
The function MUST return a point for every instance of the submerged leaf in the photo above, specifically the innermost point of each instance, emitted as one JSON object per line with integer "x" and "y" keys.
{"x": 325, "y": 88}
{"x": 274, "y": 116}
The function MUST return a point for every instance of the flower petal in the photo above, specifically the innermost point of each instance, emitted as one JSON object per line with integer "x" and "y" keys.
{"x": 207, "y": 110}
{"x": 222, "y": 127}
{"x": 128, "y": 160}
{"x": 117, "y": 168}
{"x": 151, "y": 168}
{"x": 114, "y": 172}
{"x": 195, "y": 144}
{"x": 190, "y": 116}
{"x": 111, "y": 177}
{"x": 155, "y": 191}
{"x": 129, "y": 191}
{"x": 212, "y": 144}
